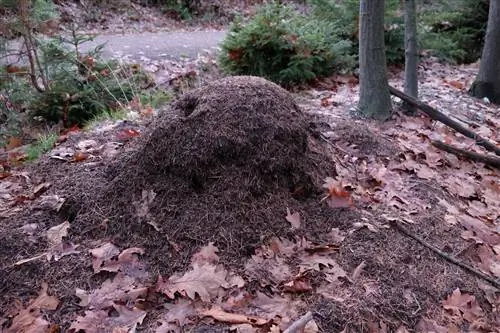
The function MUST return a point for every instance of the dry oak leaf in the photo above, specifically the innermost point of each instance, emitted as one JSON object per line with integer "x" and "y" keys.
{"x": 127, "y": 262}
{"x": 463, "y": 306}
{"x": 56, "y": 234}
{"x": 335, "y": 236}
{"x": 233, "y": 318}
{"x": 103, "y": 254}
{"x": 178, "y": 315}
{"x": 121, "y": 289}
{"x": 30, "y": 319}
{"x": 206, "y": 255}
{"x": 294, "y": 218}
{"x": 202, "y": 280}
{"x": 100, "y": 321}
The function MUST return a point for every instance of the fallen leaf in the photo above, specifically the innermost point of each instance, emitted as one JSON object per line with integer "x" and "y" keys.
{"x": 244, "y": 328}
{"x": 56, "y": 234}
{"x": 337, "y": 197}
{"x": 371, "y": 288}
{"x": 461, "y": 305}
{"x": 120, "y": 289}
{"x": 298, "y": 285}
{"x": 103, "y": 254}
{"x": 206, "y": 255}
{"x": 177, "y": 315}
{"x": 360, "y": 225}
{"x": 39, "y": 189}
{"x": 99, "y": 321}
{"x": 294, "y": 218}
{"x": 202, "y": 280}
{"x": 51, "y": 202}
{"x": 233, "y": 318}
{"x": 86, "y": 145}
{"x": 357, "y": 271}
{"x": 335, "y": 236}
{"x": 61, "y": 250}
{"x": 31, "y": 318}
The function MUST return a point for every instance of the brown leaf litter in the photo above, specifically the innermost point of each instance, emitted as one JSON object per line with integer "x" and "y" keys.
{"x": 226, "y": 166}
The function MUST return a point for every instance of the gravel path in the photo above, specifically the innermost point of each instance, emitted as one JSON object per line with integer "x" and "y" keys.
{"x": 160, "y": 45}
{"x": 148, "y": 45}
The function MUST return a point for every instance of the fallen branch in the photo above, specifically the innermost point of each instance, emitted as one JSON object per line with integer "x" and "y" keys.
{"x": 439, "y": 116}
{"x": 298, "y": 326}
{"x": 486, "y": 159}
{"x": 486, "y": 277}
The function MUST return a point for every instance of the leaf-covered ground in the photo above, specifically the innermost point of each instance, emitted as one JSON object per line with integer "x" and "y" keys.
{"x": 353, "y": 268}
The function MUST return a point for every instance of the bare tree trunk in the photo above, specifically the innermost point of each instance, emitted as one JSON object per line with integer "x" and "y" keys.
{"x": 374, "y": 98}
{"x": 487, "y": 83}
{"x": 411, "y": 53}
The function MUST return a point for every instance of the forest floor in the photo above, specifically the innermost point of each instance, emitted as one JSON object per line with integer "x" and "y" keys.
{"x": 144, "y": 225}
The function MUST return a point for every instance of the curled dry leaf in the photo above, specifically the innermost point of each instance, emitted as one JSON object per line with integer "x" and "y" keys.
{"x": 51, "y": 202}
{"x": 358, "y": 270}
{"x": 61, "y": 250}
{"x": 40, "y": 188}
{"x": 294, "y": 218}
{"x": 337, "y": 196}
{"x": 103, "y": 254}
{"x": 233, "y": 318}
{"x": 56, "y": 234}
{"x": 360, "y": 225}
{"x": 31, "y": 318}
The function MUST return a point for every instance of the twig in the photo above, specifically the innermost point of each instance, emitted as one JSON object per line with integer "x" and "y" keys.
{"x": 439, "y": 116}
{"x": 470, "y": 269}
{"x": 299, "y": 324}
{"x": 486, "y": 159}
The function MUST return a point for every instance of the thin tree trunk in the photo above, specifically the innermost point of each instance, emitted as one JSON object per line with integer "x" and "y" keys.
{"x": 411, "y": 53}
{"x": 487, "y": 83}
{"x": 374, "y": 98}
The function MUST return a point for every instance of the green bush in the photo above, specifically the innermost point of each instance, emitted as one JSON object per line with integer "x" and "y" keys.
{"x": 57, "y": 83}
{"x": 346, "y": 16}
{"x": 284, "y": 46}
{"x": 457, "y": 35}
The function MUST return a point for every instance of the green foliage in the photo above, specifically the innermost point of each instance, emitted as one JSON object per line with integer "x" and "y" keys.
{"x": 346, "y": 16}
{"x": 65, "y": 85}
{"x": 43, "y": 144}
{"x": 457, "y": 34}
{"x": 285, "y": 46}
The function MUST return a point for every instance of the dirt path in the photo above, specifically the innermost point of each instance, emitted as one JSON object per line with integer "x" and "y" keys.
{"x": 157, "y": 46}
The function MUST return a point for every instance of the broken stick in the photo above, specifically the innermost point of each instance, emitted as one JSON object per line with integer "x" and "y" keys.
{"x": 494, "y": 282}
{"x": 300, "y": 324}
{"x": 441, "y": 117}
{"x": 489, "y": 160}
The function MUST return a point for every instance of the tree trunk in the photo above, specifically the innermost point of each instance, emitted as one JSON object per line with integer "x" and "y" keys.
{"x": 374, "y": 98}
{"x": 411, "y": 53}
{"x": 487, "y": 83}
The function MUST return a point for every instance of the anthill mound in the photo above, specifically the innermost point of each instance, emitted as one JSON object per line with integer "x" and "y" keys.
{"x": 221, "y": 166}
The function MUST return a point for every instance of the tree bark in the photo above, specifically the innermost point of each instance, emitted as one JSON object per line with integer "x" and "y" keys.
{"x": 374, "y": 97}
{"x": 411, "y": 53}
{"x": 487, "y": 83}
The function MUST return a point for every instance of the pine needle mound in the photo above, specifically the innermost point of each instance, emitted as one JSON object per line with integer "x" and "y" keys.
{"x": 221, "y": 165}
